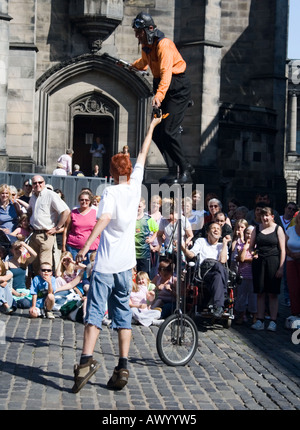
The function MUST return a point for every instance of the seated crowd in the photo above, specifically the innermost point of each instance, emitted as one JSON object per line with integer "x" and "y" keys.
{"x": 259, "y": 244}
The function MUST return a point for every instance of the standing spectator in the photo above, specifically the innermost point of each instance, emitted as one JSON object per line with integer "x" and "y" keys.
{"x": 77, "y": 171}
{"x": 286, "y": 218}
{"x": 8, "y": 211}
{"x": 98, "y": 150}
{"x": 60, "y": 170}
{"x": 96, "y": 172}
{"x": 155, "y": 213}
{"x": 145, "y": 225}
{"x": 268, "y": 244}
{"x": 66, "y": 161}
{"x": 264, "y": 198}
{"x": 13, "y": 193}
{"x": 245, "y": 297}
{"x": 47, "y": 213}
{"x": 289, "y": 211}
{"x": 79, "y": 226}
{"x": 112, "y": 275}
{"x": 27, "y": 189}
{"x": 293, "y": 264}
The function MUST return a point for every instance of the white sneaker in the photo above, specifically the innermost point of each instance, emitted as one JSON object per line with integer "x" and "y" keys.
{"x": 157, "y": 323}
{"x": 272, "y": 326}
{"x": 50, "y": 315}
{"x": 258, "y": 325}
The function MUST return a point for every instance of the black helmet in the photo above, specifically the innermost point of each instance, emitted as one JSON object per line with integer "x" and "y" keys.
{"x": 143, "y": 21}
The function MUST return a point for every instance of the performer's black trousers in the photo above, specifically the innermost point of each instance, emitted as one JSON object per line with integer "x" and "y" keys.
{"x": 167, "y": 134}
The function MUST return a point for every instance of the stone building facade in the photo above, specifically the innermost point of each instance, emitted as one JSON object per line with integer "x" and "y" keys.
{"x": 61, "y": 87}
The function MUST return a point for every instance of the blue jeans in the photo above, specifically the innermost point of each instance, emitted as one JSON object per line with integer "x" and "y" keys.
{"x": 112, "y": 290}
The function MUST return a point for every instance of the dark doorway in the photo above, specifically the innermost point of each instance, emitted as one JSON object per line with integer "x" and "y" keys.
{"x": 89, "y": 127}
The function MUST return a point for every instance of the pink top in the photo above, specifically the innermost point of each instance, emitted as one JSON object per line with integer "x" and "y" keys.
{"x": 81, "y": 228}
{"x": 139, "y": 297}
{"x": 22, "y": 231}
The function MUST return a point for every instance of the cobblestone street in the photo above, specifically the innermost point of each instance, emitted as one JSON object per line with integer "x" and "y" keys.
{"x": 233, "y": 369}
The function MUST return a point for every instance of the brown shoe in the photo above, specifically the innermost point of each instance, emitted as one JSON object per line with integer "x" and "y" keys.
{"x": 83, "y": 372}
{"x": 119, "y": 379}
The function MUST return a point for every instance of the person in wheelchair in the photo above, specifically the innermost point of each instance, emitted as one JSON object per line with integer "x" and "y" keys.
{"x": 212, "y": 256}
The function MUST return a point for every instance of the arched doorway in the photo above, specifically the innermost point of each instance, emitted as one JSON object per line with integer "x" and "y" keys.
{"x": 86, "y": 129}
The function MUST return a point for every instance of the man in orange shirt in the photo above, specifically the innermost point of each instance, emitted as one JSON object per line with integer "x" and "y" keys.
{"x": 172, "y": 92}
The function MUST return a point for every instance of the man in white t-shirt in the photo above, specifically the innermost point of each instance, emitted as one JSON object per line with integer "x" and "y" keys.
{"x": 217, "y": 277}
{"x": 112, "y": 274}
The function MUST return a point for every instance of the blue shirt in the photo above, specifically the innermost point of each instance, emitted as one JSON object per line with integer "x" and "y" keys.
{"x": 8, "y": 217}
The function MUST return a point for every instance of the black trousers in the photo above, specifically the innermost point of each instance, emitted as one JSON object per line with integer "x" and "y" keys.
{"x": 167, "y": 134}
{"x": 216, "y": 281}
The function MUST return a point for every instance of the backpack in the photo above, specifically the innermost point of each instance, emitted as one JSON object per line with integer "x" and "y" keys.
{"x": 70, "y": 306}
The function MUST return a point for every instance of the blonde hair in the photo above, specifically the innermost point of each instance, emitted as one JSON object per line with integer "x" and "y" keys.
{"x": 61, "y": 266}
{"x": 140, "y": 275}
{"x": 239, "y": 222}
{"x": 2, "y": 268}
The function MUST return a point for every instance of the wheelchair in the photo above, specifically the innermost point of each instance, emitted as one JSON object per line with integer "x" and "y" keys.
{"x": 199, "y": 298}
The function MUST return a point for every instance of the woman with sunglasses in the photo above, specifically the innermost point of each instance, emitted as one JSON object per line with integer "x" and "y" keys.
{"x": 79, "y": 226}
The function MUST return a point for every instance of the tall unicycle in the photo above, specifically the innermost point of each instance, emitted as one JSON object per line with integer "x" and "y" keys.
{"x": 177, "y": 337}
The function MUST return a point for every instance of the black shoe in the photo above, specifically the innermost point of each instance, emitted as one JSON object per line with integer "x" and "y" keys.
{"x": 83, "y": 372}
{"x": 218, "y": 312}
{"x": 190, "y": 169}
{"x": 184, "y": 178}
{"x": 168, "y": 179}
{"x": 119, "y": 379}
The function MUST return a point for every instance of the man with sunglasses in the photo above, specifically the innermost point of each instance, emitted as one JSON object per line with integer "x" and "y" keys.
{"x": 47, "y": 213}
{"x": 172, "y": 93}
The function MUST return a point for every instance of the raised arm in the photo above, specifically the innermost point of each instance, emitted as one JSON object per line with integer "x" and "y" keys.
{"x": 141, "y": 158}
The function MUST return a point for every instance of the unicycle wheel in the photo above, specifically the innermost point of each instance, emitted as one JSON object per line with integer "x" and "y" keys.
{"x": 177, "y": 340}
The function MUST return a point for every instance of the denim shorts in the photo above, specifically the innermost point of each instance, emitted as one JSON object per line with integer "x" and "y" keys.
{"x": 110, "y": 290}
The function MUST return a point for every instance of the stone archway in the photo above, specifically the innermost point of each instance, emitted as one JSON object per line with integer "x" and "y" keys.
{"x": 77, "y": 88}
{"x": 93, "y": 115}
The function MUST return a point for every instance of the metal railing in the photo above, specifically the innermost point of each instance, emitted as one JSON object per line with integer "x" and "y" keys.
{"x": 69, "y": 185}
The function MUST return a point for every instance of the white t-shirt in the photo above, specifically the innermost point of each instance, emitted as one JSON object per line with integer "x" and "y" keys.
{"x": 116, "y": 251}
{"x": 204, "y": 250}
{"x": 293, "y": 242}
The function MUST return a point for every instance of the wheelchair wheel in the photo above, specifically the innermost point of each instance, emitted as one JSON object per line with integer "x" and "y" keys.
{"x": 177, "y": 340}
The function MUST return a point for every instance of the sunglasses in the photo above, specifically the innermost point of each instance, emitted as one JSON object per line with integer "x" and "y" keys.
{"x": 292, "y": 209}
{"x": 46, "y": 270}
{"x": 214, "y": 206}
{"x": 38, "y": 182}
{"x": 84, "y": 200}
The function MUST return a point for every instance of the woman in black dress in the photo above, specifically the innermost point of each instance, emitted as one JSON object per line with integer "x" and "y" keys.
{"x": 268, "y": 247}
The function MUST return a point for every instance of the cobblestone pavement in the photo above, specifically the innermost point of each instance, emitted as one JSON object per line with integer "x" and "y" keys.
{"x": 233, "y": 369}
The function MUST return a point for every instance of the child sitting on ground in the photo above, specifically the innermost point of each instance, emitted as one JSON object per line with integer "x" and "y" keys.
{"x": 7, "y": 303}
{"x": 42, "y": 289}
{"x": 67, "y": 271}
{"x": 140, "y": 298}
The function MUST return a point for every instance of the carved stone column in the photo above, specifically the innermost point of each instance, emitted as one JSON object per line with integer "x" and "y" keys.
{"x": 4, "y": 53}
{"x": 293, "y": 123}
